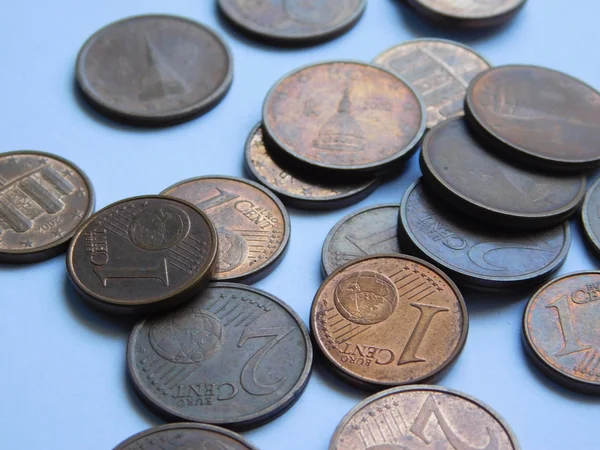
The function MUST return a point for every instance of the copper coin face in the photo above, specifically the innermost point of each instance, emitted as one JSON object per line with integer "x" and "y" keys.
{"x": 233, "y": 356}
{"x": 154, "y": 70}
{"x": 252, "y": 224}
{"x": 539, "y": 115}
{"x": 143, "y": 254}
{"x": 590, "y": 216}
{"x": 402, "y": 419}
{"x": 561, "y": 330}
{"x": 344, "y": 116}
{"x": 439, "y": 70}
{"x": 389, "y": 320}
{"x": 469, "y": 13}
{"x": 475, "y": 180}
{"x": 369, "y": 231}
{"x": 297, "y": 189}
{"x": 293, "y": 21}
{"x": 479, "y": 255}
{"x": 186, "y": 436}
{"x": 43, "y": 200}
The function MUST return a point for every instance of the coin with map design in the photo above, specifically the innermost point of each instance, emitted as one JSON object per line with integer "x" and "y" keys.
{"x": 469, "y": 13}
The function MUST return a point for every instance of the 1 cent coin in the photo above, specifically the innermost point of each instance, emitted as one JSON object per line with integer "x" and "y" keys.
{"x": 590, "y": 216}
{"x": 437, "y": 69}
{"x": 422, "y": 417}
{"x": 234, "y": 356}
{"x": 369, "y": 231}
{"x": 143, "y": 254}
{"x": 293, "y": 21}
{"x": 348, "y": 117}
{"x": 186, "y": 436}
{"x": 43, "y": 200}
{"x": 469, "y": 13}
{"x": 479, "y": 255}
{"x": 252, "y": 224}
{"x": 467, "y": 175}
{"x": 561, "y": 331}
{"x": 542, "y": 116}
{"x": 389, "y": 320}
{"x": 154, "y": 70}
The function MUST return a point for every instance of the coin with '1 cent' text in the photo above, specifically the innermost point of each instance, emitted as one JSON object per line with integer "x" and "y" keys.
{"x": 233, "y": 356}
{"x": 127, "y": 258}
{"x": 590, "y": 216}
{"x": 252, "y": 224}
{"x": 43, "y": 200}
{"x": 389, "y": 320}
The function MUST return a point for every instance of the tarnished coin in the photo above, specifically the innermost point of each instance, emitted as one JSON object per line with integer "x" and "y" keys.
{"x": 43, "y": 200}
{"x": 471, "y": 178}
{"x": 298, "y": 189}
{"x": 344, "y": 116}
{"x": 439, "y": 70}
{"x": 252, "y": 224}
{"x": 561, "y": 330}
{"x": 478, "y": 255}
{"x": 186, "y": 436}
{"x": 143, "y": 254}
{"x": 233, "y": 356}
{"x": 469, "y": 13}
{"x": 389, "y": 320}
{"x": 154, "y": 70}
{"x": 369, "y": 231}
{"x": 293, "y": 21}
{"x": 420, "y": 418}
{"x": 590, "y": 216}
{"x": 544, "y": 117}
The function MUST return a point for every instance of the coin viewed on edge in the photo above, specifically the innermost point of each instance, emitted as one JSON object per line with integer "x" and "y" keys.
{"x": 465, "y": 174}
{"x": 234, "y": 356}
{"x": 368, "y": 231}
{"x": 590, "y": 215}
{"x": 142, "y": 255}
{"x": 344, "y": 116}
{"x": 252, "y": 224}
{"x": 43, "y": 200}
{"x": 561, "y": 331}
{"x": 478, "y": 255}
{"x": 469, "y": 13}
{"x": 293, "y": 21}
{"x": 542, "y": 116}
{"x": 154, "y": 70}
{"x": 389, "y": 320}
{"x": 437, "y": 69}
{"x": 402, "y": 419}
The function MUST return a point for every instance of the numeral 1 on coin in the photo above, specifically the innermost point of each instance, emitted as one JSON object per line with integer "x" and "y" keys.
{"x": 565, "y": 320}
{"x": 427, "y": 313}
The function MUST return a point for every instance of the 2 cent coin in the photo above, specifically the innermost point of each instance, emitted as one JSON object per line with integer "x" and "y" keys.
{"x": 469, "y": 13}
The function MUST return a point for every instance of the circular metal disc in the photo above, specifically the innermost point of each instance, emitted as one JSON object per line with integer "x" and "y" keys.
{"x": 252, "y": 224}
{"x": 234, "y": 356}
{"x": 127, "y": 258}
{"x": 43, "y": 200}
{"x": 154, "y": 69}
{"x": 590, "y": 216}
{"x": 469, "y": 13}
{"x": 480, "y": 183}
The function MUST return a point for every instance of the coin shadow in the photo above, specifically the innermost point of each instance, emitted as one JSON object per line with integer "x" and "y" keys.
{"x": 322, "y": 374}
{"x": 482, "y": 302}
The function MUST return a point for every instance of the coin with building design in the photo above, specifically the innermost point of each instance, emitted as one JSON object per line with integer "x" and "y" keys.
{"x": 469, "y": 13}
{"x": 252, "y": 224}
{"x": 43, "y": 200}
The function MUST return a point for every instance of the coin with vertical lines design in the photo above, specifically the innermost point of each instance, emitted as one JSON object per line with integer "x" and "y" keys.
{"x": 389, "y": 320}
{"x": 469, "y": 13}
{"x": 234, "y": 356}
{"x": 43, "y": 200}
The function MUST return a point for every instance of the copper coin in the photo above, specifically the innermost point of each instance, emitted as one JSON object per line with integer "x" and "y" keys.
{"x": 154, "y": 69}
{"x": 423, "y": 417}
{"x": 234, "y": 356}
{"x": 464, "y": 173}
{"x": 293, "y": 21}
{"x": 186, "y": 436}
{"x": 544, "y": 117}
{"x": 369, "y": 231}
{"x": 590, "y": 216}
{"x": 252, "y": 224}
{"x": 561, "y": 333}
{"x": 479, "y": 255}
{"x": 143, "y": 254}
{"x": 389, "y": 320}
{"x": 298, "y": 189}
{"x": 437, "y": 69}
{"x": 344, "y": 116}
{"x": 43, "y": 200}
{"x": 469, "y": 13}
